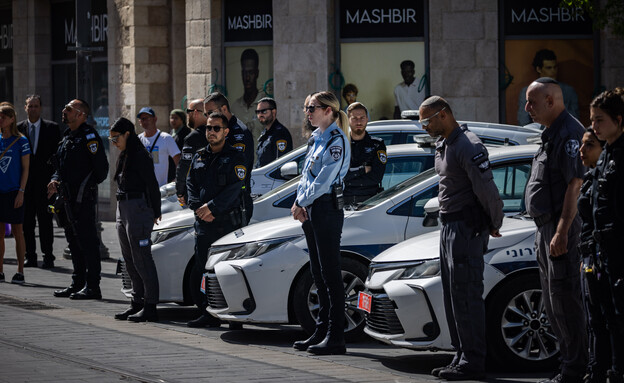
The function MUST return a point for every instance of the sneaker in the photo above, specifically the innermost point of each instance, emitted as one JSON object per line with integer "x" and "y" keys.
{"x": 18, "y": 279}
{"x": 1, "y": 277}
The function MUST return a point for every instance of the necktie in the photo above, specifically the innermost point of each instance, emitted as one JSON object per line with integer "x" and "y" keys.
{"x": 31, "y": 135}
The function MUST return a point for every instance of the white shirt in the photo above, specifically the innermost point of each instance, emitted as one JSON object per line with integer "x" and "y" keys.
{"x": 165, "y": 147}
{"x": 34, "y": 139}
{"x": 407, "y": 97}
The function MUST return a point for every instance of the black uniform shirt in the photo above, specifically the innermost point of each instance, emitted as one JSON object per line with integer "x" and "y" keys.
{"x": 216, "y": 179}
{"x": 273, "y": 143}
{"x": 608, "y": 189}
{"x": 135, "y": 174}
{"x": 369, "y": 151}
{"x": 193, "y": 142}
{"x": 81, "y": 156}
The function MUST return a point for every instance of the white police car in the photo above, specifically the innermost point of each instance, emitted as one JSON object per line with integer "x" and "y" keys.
{"x": 260, "y": 273}
{"x": 405, "y": 302}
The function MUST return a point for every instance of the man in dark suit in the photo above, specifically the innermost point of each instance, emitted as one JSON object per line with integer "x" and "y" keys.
{"x": 44, "y": 137}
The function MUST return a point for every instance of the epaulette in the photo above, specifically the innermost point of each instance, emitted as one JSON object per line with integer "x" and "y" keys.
{"x": 378, "y": 139}
{"x": 335, "y": 132}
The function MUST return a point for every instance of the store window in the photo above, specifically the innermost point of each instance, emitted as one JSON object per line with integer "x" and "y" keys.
{"x": 63, "y": 34}
{"x": 248, "y": 42}
{"x": 375, "y": 40}
{"x": 542, "y": 39}
{"x": 6, "y": 54}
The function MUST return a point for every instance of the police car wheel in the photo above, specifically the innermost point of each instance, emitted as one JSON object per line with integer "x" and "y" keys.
{"x": 305, "y": 299}
{"x": 518, "y": 330}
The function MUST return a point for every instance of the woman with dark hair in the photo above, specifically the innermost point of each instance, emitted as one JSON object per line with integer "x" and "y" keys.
{"x": 319, "y": 208}
{"x": 14, "y": 162}
{"x": 599, "y": 343}
{"x": 138, "y": 209}
{"x": 607, "y": 116}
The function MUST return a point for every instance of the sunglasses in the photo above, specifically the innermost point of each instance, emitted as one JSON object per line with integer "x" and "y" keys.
{"x": 189, "y": 111}
{"x": 312, "y": 108}
{"x": 263, "y": 111}
{"x": 215, "y": 128}
{"x": 425, "y": 121}
{"x": 114, "y": 139}
{"x": 70, "y": 108}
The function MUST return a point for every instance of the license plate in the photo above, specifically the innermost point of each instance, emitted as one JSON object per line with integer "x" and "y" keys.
{"x": 365, "y": 301}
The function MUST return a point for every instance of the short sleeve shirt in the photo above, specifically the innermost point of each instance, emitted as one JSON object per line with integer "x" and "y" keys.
{"x": 11, "y": 162}
{"x": 165, "y": 147}
{"x": 408, "y": 97}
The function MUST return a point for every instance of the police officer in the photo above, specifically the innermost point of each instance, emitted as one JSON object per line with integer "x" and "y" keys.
{"x": 138, "y": 209}
{"x": 215, "y": 184}
{"x": 239, "y": 137}
{"x": 193, "y": 142}
{"x": 470, "y": 210}
{"x": 82, "y": 166}
{"x": 607, "y": 116}
{"x": 275, "y": 140}
{"x": 368, "y": 158}
{"x": 551, "y": 195}
{"x": 319, "y": 208}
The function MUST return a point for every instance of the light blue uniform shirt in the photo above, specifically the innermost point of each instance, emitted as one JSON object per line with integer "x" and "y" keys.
{"x": 327, "y": 163}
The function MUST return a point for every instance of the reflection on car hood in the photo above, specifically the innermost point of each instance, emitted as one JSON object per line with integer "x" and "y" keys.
{"x": 271, "y": 229}
{"x": 427, "y": 246}
{"x": 176, "y": 219}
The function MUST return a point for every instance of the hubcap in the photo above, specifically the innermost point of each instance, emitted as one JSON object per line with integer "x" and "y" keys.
{"x": 352, "y": 285}
{"x": 526, "y": 329}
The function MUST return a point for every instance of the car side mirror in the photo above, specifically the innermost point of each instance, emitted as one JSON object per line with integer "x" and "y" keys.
{"x": 289, "y": 170}
{"x": 432, "y": 210}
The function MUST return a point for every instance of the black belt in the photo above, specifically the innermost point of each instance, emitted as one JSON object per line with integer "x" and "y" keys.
{"x": 127, "y": 196}
{"x": 451, "y": 217}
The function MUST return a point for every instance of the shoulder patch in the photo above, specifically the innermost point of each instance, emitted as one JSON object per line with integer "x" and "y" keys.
{"x": 572, "y": 148}
{"x": 93, "y": 146}
{"x": 483, "y": 166}
{"x": 90, "y": 136}
{"x": 281, "y": 145}
{"x": 478, "y": 157}
{"x": 383, "y": 158}
{"x": 241, "y": 171}
{"x": 336, "y": 152}
{"x": 239, "y": 146}
{"x": 187, "y": 156}
{"x": 335, "y": 132}
{"x": 239, "y": 137}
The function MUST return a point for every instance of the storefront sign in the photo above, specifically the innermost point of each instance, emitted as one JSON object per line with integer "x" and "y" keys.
{"x": 6, "y": 37}
{"x": 365, "y": 19}
{"x": 64, "y": 29}
{"x": 248, "y": 20}
{"x": 537, "y": 17}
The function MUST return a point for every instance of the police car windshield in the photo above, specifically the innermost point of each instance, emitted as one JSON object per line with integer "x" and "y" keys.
{"x": 278, "y": 189}
{"x": 396, "y": 189}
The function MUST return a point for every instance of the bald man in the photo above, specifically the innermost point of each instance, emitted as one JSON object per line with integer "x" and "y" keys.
{"x": 551, "y": 194}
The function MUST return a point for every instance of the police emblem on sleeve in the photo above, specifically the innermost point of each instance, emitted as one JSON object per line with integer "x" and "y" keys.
{"x": 93, "y": 146}
{"x": 240, "y": 147}
{"x": 241, "y": 171}
{"x": 187, "y": 156}
{"x": 483, "y": 166}
{"x": 572, "y": 148}
{"x": 383, "y": 158}
{"x": 281, "y": 145}
{"x": 336, "y": 152}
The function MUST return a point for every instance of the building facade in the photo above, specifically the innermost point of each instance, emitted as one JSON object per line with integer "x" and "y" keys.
{"x": 161, "y": 53}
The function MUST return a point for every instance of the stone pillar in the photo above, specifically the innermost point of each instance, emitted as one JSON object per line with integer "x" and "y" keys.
{"x": 203, "y": 46}
{"x": 178, "y": 53}
{"x": 31, "y": 54}
{"x": 611, "y": 53}
{"x": 464, "y": 57}
{"x": 303, "y": 36}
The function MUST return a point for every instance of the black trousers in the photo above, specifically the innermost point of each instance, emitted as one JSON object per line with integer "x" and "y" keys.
{"x": 36, "y": 210}
{"x": 323, "y": 231}
{"x": 84, "y": 245}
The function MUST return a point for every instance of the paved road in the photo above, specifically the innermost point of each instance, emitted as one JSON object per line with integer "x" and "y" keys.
{"x": 48, "y": 339}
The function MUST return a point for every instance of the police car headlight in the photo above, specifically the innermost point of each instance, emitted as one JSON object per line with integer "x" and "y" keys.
{"x": 251, "y": 249}
{"x": 424, "y": 269}
{"x": 159, "y": 236}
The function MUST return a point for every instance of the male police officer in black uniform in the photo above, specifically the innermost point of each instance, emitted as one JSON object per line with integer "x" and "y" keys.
{"x": 215, "y": 183}
{"x": 275, "y": 140}
{"x": 193, "y": 142}
{"x": 368, "y": 158}
{"x": 239, "y": 137}
{"x": 551, "y": 195}
{"x": 470, "y": 210}
{"x": 82, "y": 166}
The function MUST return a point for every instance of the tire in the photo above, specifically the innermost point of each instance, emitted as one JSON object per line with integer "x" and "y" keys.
{"x": 518, "y": 330}
{"x": 306, "y": 305}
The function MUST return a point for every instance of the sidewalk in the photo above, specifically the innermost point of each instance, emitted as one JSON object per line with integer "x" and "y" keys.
{"x": 50, "y": 339}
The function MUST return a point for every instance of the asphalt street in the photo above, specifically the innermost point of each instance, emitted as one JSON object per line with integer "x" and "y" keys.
{"x": 48, "y": 339}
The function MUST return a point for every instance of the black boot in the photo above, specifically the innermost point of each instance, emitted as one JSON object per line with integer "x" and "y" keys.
{"x": 205, "y": 320}
{"x": 148, "y": 314}
{"x": 316, "y": 338}
{"x": 331, "y": 345}
{"x": 615, "y": 376}
{"x": 134, "y": 308}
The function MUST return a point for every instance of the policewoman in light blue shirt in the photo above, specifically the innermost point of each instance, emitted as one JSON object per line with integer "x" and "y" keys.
{"x": 319, "y": 208}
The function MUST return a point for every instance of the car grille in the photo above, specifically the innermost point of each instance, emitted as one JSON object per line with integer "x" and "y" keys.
{"x": 216, "y": 300}
{"x": 125, "y": 277}
{"x": 383, "y": 318}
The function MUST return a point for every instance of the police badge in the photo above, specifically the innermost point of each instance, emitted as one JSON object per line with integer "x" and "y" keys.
{"x": 336, "y": 152}
{"x": 93, "y": 146}
{"x": 572, "y": 148}
{"x": 281, "y": 145}
{"x": 241, "y": 171}
{"x": 383, "y": 158}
